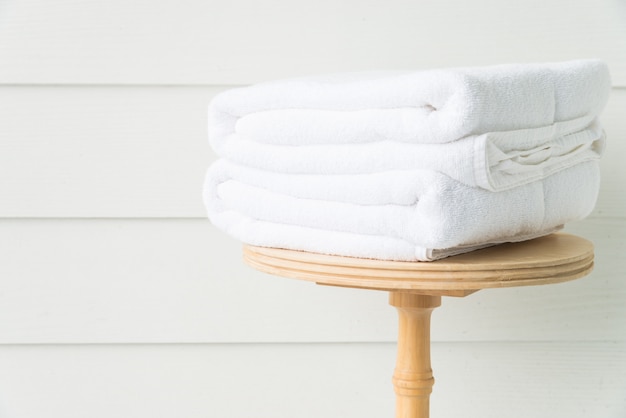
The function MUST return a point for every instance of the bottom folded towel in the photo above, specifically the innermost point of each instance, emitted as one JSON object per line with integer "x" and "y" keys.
{"x": 438, "y": 216}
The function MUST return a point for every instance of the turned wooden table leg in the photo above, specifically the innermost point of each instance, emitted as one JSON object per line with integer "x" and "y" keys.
{"x": 413, "y": 377}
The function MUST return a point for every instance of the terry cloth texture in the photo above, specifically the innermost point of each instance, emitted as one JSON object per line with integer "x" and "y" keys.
{"x": 408, "y": 165}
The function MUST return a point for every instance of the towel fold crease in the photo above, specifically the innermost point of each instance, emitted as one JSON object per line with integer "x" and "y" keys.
{"x": 495, "y": 161}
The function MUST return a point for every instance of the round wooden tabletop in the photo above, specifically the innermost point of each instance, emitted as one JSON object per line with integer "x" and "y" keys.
{"x": 551, "y": 259}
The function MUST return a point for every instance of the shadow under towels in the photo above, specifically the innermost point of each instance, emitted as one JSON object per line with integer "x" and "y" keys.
{"x": 408, "y": 166}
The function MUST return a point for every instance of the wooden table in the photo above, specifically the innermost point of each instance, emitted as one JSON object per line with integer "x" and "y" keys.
{"x": 416, "y": 288}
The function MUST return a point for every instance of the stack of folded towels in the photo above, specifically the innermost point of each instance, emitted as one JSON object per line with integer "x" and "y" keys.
{"x": 408, "y": 165}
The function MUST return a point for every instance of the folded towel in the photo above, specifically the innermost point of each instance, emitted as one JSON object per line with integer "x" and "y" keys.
{"x": 420, "y": 215}
{"x": 435, "y": 106}
{"x": 408, "y": 166}
{"x": 494, "y": 161}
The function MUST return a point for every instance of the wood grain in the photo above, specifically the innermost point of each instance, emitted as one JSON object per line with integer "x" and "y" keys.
{"x": 552, "y": 259}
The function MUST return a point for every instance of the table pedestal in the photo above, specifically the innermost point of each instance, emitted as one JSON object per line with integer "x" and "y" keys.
{"x": 413, "y": 377}
{"x": 416, "y": 289}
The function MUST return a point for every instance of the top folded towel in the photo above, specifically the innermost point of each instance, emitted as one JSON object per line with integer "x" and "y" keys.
{"x": 434, "y": 106}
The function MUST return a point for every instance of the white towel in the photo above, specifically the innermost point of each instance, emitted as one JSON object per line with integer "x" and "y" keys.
{"x": 435, "y": 106}
{"x": 427, "y": 215}
{"x": 495, "y": 161}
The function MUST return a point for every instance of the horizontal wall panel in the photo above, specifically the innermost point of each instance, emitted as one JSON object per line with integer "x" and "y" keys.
{"x": 143, "y": 152}
{"x": 108, "y": 152}
{"x": 541, "y": 380}
{"x": 244, "y": 41}
{"x": 167, "y": 281}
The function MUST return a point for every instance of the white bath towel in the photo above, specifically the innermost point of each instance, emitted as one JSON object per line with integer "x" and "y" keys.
{"x": 427, "y": 215}
{"x": 495, "y": 161}
{"x": 435, "y": 106}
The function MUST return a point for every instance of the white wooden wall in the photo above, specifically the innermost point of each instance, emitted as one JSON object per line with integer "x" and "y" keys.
{"x": 117, "y": 297}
